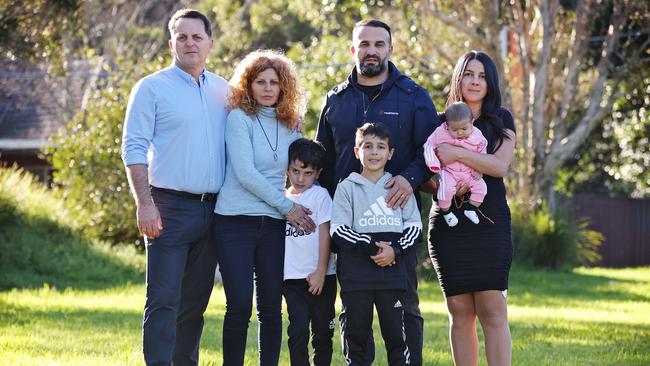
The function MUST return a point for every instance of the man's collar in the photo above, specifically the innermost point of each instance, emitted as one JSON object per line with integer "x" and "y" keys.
{"x": 186, "y": 75}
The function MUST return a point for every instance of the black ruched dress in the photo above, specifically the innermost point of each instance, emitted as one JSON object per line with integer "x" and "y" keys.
{"x": 475, "y": 257}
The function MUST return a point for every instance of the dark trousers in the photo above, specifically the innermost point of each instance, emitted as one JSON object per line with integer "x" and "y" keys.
{"x": 251, "y": 250}
{"x": 304, "y": 310}
{"x": 356, "y": 324}
{"x": 181, "y": 265}
{"x": 413, "y": 321}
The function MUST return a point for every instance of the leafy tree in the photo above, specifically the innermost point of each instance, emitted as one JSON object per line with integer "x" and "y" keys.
{"x": 558, "y": 79}
{"x": 560, "y": 67}
{"x": 615, "y": 157}
{"x": 87, "y": 159}
{"x": 589, "y": 87}
{"x": 38, "y": 30}
{"x": 124, "y": 39}
{"x": 87, "y": 162}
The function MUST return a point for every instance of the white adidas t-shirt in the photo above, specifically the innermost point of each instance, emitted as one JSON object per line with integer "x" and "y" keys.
{"x": 301, "y": 251}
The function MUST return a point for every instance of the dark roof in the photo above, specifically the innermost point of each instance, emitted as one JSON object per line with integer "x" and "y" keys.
{"x": 35, "y": 104}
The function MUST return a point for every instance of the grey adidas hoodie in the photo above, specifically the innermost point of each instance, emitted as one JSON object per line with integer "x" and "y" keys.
{"x": 360, "y": 217}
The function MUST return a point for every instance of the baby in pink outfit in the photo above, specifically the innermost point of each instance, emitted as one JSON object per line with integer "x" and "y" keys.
{"x": 457, "y": 131}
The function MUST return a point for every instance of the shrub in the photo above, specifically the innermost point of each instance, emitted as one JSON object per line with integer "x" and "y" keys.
{"x": 553, "y": 239}
{"x": 39, "y": 245}
{"x": 86, "y": 158}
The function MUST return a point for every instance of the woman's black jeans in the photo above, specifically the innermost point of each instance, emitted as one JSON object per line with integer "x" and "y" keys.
{"x": 251, "y": 250}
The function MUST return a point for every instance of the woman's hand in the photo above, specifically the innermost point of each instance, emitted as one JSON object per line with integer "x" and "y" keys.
{"x": 298, "y": 216}
{"x": 448, "y": 154}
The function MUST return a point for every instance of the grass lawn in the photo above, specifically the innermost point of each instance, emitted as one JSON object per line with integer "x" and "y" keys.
{"x": 590, "y": 316}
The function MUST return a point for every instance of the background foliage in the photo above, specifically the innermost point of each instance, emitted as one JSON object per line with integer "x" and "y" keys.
{"x": 40, "y": 246}
{"x": 130, "y": 40}
{"x": 88, "y": 165}
{"x": 553, "y": 239}
{"x": 63, "y": 287}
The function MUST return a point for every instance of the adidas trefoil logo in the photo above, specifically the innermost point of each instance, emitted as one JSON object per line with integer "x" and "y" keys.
{"x": 379, "y": 214}
{"x": 398, "y": 304}
{"x": 332, "y": 324}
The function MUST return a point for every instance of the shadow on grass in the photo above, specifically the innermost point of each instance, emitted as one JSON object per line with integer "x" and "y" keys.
{"x": 36, "y": 250}
{"x": 549, "y": 286}
{"x": 540, "y": 342}
{"x": 62, "y": 328}
{"x": 553, "y": 287}
{"x": 55, "y": 333}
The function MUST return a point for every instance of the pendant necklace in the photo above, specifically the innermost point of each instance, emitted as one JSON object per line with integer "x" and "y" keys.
{"x": 275, "y": 155}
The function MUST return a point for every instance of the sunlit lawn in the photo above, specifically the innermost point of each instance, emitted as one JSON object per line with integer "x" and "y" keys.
{"x": 586, "y": 317}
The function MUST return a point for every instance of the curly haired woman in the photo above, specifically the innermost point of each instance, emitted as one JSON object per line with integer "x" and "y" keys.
{"x": 267, "y": 106}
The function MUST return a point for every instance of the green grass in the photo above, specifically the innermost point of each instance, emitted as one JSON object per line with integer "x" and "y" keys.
{"x": 67, "y": 300}
{"x": 40, "y": 246}
{"x": 590, "y": 316}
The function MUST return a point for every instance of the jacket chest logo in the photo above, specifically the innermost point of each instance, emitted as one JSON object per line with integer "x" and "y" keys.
{"x": 387, "y": 113}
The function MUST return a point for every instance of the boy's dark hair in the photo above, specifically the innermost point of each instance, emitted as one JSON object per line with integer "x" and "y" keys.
{"x": 373, "y": 129}
{"x": 310, "y": 153}
{"x": 457, "y": 112}
{"x": 375, "y": 23}
{"x": 191, "y": 14}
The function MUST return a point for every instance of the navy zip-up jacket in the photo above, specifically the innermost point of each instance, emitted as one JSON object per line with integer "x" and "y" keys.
{"x": 402, "y": 105}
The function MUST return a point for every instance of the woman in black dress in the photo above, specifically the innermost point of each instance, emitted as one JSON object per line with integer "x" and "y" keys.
{"x": 472, "y": 261}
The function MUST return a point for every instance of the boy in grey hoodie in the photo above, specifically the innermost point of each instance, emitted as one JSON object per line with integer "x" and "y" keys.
{"x": 370, "y": 238}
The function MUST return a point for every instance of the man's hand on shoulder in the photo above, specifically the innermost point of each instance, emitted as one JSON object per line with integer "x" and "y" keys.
{"x": 448, "y": 153}
{"x": 400, "y": 192}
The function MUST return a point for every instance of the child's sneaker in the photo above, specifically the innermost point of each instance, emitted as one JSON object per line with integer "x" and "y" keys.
{"x": 472, "y": 216}
{"x": 450, "y": 219}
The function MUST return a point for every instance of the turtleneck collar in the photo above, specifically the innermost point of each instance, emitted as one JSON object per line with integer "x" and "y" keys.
{"x": 268, "y": 112}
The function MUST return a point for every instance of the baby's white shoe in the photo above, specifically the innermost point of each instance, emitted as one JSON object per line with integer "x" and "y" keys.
{"x": 450, "y": 219}
{"x": 472, "y": 216}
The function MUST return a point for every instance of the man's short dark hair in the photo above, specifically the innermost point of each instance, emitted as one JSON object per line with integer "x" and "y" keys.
{"x": 373, "y": 129}
{"x": 458, "y": 112}
{"x": 191, "y": 14}
{"x": 376, "y": 24}
{"x": 310, "y": 153}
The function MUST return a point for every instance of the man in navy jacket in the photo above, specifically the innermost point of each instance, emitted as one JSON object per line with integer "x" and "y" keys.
{"x": 376, "y": 91}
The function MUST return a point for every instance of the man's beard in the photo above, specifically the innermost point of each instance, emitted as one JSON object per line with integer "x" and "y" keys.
{"x": 372, "y": 70}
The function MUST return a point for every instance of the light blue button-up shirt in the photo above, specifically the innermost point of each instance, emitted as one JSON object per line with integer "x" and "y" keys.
{"x": 176, "y": 126}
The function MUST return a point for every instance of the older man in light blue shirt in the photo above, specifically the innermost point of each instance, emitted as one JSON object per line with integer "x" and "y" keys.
{"x": 175, "y": 125}
{"x": 174, "y": 152}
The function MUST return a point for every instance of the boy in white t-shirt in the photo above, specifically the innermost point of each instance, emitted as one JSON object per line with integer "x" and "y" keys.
{"x": 309, "y": 276}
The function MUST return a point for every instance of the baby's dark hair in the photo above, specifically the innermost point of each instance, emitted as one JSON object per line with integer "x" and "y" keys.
{"x": 310, "y": 153}
{"x": 458, "y": 112}
{"x": 373, "y": 129}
